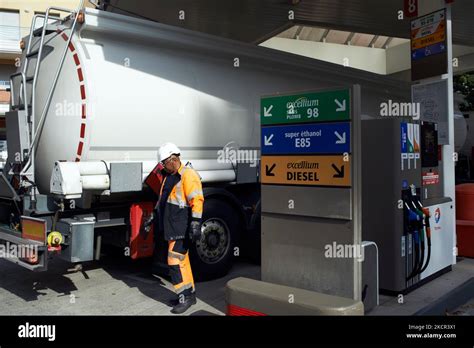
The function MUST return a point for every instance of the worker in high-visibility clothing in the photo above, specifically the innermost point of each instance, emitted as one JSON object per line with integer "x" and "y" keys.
{"x": 179, "y": 211}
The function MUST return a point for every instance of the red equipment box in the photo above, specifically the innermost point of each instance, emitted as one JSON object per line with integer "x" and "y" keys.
{"x": 465, "y": 238}
{"x": 141, "y": 242}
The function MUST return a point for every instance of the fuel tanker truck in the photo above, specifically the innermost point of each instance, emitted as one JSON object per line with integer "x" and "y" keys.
{"x": 97, "y": 93}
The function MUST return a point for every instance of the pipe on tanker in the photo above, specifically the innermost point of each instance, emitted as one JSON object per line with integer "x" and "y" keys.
{"x": 208, "y": 176}
{"x": 95, "y": 182}
{"x": 217, "y": 175}
{"x": 71, "y": 178}
{"x": 92, "y": 168}
{"x": 99, "y": 167}
{"x": 102, "y": 182}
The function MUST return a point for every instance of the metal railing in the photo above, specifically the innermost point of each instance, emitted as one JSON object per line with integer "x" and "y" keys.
{"x": 12, "y": 90}
{"x": 35, "y": 133}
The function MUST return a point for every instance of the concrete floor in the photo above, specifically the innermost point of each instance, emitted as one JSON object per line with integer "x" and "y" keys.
{"x": 466, "y": 309}
{"x": 118, "y": 286}
{"x": 426, "y": 294}
{"x": 109, "y": 287}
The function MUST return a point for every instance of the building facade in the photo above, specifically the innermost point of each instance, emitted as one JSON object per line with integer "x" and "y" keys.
{"x": 15, "y": 22}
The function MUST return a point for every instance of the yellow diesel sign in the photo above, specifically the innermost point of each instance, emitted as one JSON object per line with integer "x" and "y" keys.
{"x": 428, "y": 40}
{"x": 306, "y": 170}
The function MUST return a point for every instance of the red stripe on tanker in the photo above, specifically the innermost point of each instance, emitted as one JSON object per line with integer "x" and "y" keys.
{"x": 80, "y": 75}
{"x": 76, "y": 59}
{"x": 79, "y": 148}
{"x": 83, "y": 92}
{"x": 83, "y": 130}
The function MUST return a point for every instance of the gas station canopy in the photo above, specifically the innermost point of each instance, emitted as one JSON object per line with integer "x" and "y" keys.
{"x": 256, "y": 21}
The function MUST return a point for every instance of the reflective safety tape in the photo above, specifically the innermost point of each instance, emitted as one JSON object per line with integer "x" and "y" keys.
{"x": 196, "y": 215}
{"x": 180, "y": 288}
{"x": 174, "y": 255}
{"x": 179, "y": 194}
{"x": 194, "y": 194}
{"x": 176, "y": 202}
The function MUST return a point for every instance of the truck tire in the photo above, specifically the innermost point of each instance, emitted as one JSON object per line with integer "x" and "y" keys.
{"x": 212, "y": 256}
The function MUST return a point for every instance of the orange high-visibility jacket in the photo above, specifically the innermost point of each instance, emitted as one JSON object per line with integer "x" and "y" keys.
{"x": 185, "y": 203}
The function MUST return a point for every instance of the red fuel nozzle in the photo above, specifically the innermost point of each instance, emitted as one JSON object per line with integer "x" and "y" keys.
{"x": 426, "y": 211}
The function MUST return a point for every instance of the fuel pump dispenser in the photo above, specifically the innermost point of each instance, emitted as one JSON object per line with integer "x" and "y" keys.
{"x": 403, "y": 200}
{"x": 439, "y": 209}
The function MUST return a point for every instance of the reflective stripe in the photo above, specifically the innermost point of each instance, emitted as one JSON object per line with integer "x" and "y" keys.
{"x": 196, "y": 215}
{"x": 195, "y": 193}
{"x": 179, "y": 194}
{"x": 172, "y": 200}
{"x": 184, "y": 287}
{"x": 182, "y": 169}
{"x": 174, "y": 255}
{"x": 176, "y": 202}
{"x": 173, "y": 261}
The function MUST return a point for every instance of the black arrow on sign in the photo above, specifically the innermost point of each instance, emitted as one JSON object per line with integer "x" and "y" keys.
{"x": 269, "y": 171}
{"x": 339, "y": 172}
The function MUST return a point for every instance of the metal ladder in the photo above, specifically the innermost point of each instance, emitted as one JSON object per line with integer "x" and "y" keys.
{"x": 23, "y": 98}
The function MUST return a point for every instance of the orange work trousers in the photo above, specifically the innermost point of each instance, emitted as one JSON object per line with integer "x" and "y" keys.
{"x": 180, "y": 267}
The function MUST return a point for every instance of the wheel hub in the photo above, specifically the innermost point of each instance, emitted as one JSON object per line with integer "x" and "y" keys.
{"x": 214, "y": 242}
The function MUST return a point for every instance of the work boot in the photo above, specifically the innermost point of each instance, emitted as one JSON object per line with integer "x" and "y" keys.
{"x": 172, "y": 302}
{"x": 183, "y": 306}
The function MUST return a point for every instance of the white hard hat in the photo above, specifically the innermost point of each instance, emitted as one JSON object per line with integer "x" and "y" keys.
{"x": 166, "y": 150}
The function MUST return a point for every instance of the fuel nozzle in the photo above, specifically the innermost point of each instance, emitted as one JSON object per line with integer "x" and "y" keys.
{"x": 426, "y": 211}
{"x": 421, "y": 216}
{"x": 413, "y": 220}
{"x": 413, "y": 217}
{"x": 416, "y": 207}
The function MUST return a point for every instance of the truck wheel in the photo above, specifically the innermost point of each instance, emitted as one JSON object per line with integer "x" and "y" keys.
{"x": 212, "y": 255}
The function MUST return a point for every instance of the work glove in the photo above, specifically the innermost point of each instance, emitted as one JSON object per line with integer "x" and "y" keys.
{"x": 148, "y": 222}
{"x": 195, "y": 231}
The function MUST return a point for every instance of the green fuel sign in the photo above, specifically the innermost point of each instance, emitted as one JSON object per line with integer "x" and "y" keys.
{"x": 306, "y": 107}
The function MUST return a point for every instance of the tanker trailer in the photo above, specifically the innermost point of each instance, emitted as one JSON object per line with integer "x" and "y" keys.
{"x": 96, "y": 95}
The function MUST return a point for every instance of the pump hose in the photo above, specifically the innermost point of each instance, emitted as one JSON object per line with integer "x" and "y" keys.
{"x": 422, "y": 256}
{"x": 428, "y": 238}
{"x": 427, "y": 257}
{"x": 422, "y": 244}
{"x": 417, "y": 255}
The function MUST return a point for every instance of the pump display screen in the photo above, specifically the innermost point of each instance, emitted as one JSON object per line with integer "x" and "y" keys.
{"x": 429, "y": 145}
